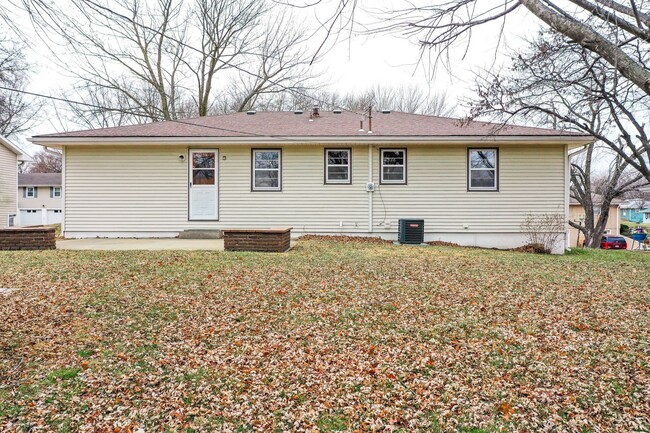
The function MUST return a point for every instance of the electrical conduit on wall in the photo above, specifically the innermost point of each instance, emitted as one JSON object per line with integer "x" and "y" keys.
{"x": 370, "y": 192}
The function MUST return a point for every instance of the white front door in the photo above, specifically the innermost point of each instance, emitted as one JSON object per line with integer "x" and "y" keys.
{"x": 204, "y": 185}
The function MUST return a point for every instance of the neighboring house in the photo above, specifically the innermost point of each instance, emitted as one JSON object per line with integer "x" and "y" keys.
{"x": 633, "y": 210}
{"x": 325, "y": 173}
{"x": 577, "y": 214}
{"x": 10, "y": 157}
{"x": 39, "y": 199}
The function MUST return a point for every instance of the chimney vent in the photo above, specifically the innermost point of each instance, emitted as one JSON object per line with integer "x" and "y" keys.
{"x": 315, "y": 112}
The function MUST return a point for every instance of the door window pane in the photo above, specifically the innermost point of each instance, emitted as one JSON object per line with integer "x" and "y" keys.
{"x": 203, "y": 177}
{"x": 203, "y": 160}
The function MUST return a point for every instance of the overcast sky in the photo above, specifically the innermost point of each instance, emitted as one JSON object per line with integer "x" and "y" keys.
{"x": 351, "y": 62}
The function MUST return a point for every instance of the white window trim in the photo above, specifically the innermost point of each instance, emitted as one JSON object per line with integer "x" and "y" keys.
{"x": 470, "y": 170}
{"x": 27, "y": 189}
{"x": 254, "y": 170}
{"x": 54, "y": 190}
{"x": 382, "y": 165}
{"x": 348, "y": 165}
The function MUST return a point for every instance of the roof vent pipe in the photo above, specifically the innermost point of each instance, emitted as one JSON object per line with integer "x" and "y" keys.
{"x": 385, "y": 111}
{"x": 360, "y": 125}
{"x": 251, "y": 112}
{"x": 297, "y": 112}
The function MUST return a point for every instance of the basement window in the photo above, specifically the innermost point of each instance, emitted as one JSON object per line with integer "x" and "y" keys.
{"x": 482, "y": 170}
{"x": 337, "y": 166}
{"x": 267, "y": 170}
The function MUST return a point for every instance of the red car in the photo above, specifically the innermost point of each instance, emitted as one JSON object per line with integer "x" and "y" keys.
{"x": 609, "y": 242}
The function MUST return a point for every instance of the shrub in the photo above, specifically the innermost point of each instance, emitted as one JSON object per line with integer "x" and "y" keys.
{"x": 625, "y": 230}
{"x": 544, "y": 230}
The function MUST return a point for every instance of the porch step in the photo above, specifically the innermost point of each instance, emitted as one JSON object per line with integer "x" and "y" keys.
{"x": 201, "y": 234}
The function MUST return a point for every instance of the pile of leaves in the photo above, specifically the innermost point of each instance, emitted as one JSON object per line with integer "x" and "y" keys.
{"x": 442, "y": 244}
{"x": 332, "y": 336}
{"x": 346, "y": 239}
{"x": 532, "y": 248}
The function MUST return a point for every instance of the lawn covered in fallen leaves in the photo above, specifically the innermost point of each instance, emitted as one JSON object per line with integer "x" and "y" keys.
{"x": 331, "y": 336}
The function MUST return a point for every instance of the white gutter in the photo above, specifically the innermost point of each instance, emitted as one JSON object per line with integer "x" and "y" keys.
{"x": 370, "y": 193}
{"x": 574, "y": 141}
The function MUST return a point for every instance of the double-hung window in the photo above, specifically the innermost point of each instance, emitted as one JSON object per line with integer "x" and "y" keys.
{"x": 337, "y": 166}
{"x": 30, "y": 192}
{"x": 55, "y": 192}
{"x": 393, "y": 166}
{"x": 482, "y": 169}
{"x": 267, "y": 170}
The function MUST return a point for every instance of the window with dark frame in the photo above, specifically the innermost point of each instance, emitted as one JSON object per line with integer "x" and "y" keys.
{"x": 482, "y": 169}
{"x": 267, "y": 169}
{"x": 393, "y": 166}
{"x": 337, "y": 166}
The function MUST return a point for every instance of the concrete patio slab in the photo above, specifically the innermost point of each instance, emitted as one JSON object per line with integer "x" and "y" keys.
{"x": 141, "y": 244}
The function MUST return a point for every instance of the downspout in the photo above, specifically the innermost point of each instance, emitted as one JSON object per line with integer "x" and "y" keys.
{"x": 64, "y": 190}
{"x": 567, "y": 188}
{"x": 369, "y": 189}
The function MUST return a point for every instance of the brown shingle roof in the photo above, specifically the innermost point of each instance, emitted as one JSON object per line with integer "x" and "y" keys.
{"x": 39, "y": 179}
{"x": 328, "y": 124}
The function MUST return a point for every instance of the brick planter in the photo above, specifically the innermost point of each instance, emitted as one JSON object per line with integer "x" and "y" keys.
{"x": 266, "y": 240}
{"x": 27, "y": 238}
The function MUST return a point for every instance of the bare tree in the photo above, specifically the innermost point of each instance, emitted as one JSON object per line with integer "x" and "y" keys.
{"x": 45, "y": 161}
{"x": 169, "y": 59}
{"x": 560, "y": 84}
{"x": 407, "y": 99}
{"x": 17, "y": 111}
{"x": 445, "y": 23}
{"x": 595, "y": 193}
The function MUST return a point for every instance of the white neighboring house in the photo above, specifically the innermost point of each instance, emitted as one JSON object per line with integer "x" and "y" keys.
{"x": 10, "y": 157}
{"x": 39, "y": 199}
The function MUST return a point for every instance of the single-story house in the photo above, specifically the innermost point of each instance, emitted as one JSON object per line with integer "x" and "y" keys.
{"x": 10, "y": 157}
{"x": 472, "y": 183}
{"x": 577, "y": 214}
{"x": 633, "y": 210}
{"x": 39, "y": 199}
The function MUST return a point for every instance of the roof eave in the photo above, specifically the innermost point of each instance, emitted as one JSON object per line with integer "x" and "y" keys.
{"x": 15, "y": 149}
{"x": 572, "y": 140}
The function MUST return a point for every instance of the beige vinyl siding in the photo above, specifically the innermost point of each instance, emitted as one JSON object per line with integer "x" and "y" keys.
{"x": 577, "y": 213}
{"x": 8, "y": 184}
{"x": 144, "y": 189}
{"x": 42, "y": 201}
{"x": 531, "y": 180}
